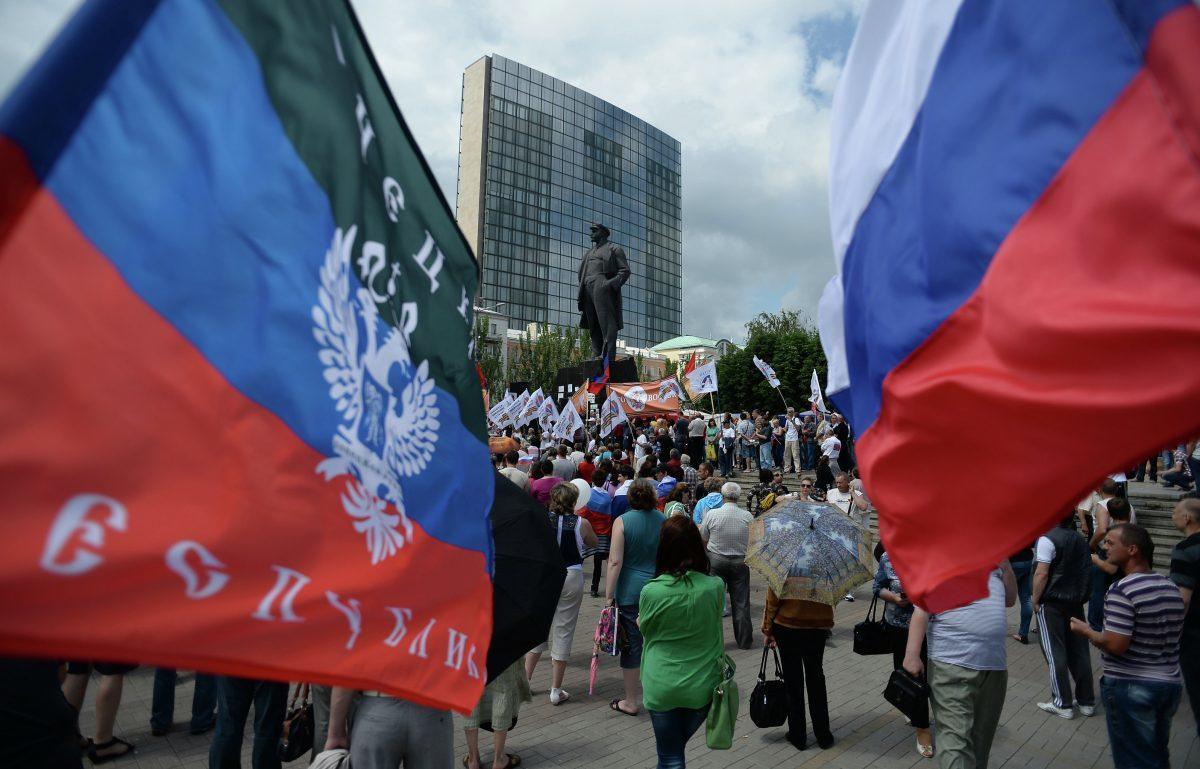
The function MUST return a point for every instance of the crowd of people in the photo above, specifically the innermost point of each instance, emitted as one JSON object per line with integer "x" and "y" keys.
{"x": 666, "y": 538}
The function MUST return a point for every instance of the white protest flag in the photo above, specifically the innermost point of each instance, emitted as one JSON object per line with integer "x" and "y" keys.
{"x": 498, "y": 414}
{"x": 547, "y": 414}
{"x": 517, "y": 408}
{"x": 670, "y": 389}
{"x": 530, "y": 411}
{"x": 702, "y": 379}
{"x": 611, "y": 415}
{"x": 767, "y": 371}
{"x": 568, "y": 422}
{"x": 817, "y": 401}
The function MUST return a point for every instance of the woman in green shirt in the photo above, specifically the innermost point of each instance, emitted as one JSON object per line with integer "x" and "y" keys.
{"x": 680, "y": 618}
{"x": 630, "y": 567}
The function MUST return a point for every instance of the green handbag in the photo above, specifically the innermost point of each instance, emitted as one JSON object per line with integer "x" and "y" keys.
{"x": 722, "y": 713}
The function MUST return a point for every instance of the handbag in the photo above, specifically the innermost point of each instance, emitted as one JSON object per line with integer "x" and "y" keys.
{"x": 871, "y": 636}
{"x": 908, "y": 693}
{"x": 297, "y": 737}
{"x": 722, "y": 712}
{"x": 606, "y": 631}
{"x": 768, "y": 701}
{"x": 710, "y": 452}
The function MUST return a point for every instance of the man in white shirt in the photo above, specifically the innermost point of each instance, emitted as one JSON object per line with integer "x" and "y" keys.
{"x": 967, "y": 670}
{"x": 514, "y": 473}
{"x": 791, "y": 443}
{"x": 697, "y": 429}
{"x": 851, "y": 502}
{"x": 831, "y": 447}
{"x": 726, "y": 532}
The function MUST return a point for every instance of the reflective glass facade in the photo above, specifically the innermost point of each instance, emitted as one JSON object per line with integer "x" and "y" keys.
{"x": 553, "y": 160}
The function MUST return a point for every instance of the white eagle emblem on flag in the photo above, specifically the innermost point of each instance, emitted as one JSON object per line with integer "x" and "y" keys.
{"x": 389, "y": 407}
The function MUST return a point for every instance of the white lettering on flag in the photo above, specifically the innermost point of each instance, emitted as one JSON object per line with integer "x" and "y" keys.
{"x": 353, "y": 614}
{"x": 72, "y": 523}
{"x": 195, "y": 587}
{"x": 401, "y": 629}
{"x": 287, "y": 585}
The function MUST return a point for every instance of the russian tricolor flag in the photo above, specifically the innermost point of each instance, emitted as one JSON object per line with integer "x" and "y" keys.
{"x": 1015, "y": 204}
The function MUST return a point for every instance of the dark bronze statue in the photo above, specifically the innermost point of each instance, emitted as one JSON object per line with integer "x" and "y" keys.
{"x": 601, "y": 274}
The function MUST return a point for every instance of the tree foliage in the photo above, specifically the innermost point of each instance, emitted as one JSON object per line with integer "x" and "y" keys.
{"x": 538, "y": 358}
{"x": 490, "y": 359}
{"x": 793, "y": 349}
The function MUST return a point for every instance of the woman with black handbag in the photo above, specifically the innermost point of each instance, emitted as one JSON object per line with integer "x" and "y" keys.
{"x": 896, "y": 615}
{"x": 799, "y": 629}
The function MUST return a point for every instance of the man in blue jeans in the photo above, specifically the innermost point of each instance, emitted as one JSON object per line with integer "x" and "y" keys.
{"x": 1139, "y": 646}
{"x": 234, "y": 697}
{"x": 162, "y": 706}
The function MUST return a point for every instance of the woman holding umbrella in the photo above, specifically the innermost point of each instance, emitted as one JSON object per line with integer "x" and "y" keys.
{"x": 630, "y": 566}
{"x": 798, "y": 629}
{"x": 809, "y": 553}
{"x": 575, "y": 536}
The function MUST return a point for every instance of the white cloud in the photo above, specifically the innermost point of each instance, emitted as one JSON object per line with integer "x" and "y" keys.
{"x": 742, "y": 86}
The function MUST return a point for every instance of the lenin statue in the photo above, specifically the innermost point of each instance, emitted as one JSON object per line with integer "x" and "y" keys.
{"x": 601, "y": 274}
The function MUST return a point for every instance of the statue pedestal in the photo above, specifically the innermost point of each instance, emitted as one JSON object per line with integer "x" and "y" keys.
{"x": 571, "y": 378}
{"x": 623, "y": 369}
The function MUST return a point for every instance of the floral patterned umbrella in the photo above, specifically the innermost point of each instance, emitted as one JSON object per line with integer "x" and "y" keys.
{"x": 810, "y": 551}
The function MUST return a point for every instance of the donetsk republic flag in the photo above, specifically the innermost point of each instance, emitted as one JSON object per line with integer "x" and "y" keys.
{"x": 240, "y": 429}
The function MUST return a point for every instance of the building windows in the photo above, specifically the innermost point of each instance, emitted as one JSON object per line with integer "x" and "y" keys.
{"x": 558, "y": 159}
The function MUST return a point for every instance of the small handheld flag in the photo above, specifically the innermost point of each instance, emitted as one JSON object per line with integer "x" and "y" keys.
{"x": 611, "y": 415}
{"x": 818, "y": 403}
{"x": 767, "y": 371}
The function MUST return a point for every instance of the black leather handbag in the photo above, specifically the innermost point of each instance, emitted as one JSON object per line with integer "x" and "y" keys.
{"x": 297, "y": 737}
{"x": 871, "y": 636}
{"x": 908, "y": 693}
{"x": 768, "y": 701}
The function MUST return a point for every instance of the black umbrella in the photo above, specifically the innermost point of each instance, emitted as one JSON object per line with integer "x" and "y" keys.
{"x": 529, "y": 576}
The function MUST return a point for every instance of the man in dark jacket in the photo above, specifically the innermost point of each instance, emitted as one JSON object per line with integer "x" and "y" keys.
{"x": 1061, "y": 583}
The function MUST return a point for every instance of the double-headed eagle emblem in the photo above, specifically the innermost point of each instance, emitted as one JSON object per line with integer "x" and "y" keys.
{"x": 389, "y": 427}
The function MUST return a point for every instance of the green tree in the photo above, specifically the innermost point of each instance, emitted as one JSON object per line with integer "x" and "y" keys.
{"x": 792, "y": 347}
{"x": 538, "y": 358}
{"x": 490, "y": 358}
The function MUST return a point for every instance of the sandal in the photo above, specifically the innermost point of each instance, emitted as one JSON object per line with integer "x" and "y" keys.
{"x": 1024, "y": 639}
{"x": 513, "y": 760}
{"x": 615, "y": 705}
{"x": 97, "y": 758}
{"x": 926, "y": 751}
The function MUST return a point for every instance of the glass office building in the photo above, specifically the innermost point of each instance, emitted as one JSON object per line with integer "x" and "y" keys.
{"x": 539, "y": 161}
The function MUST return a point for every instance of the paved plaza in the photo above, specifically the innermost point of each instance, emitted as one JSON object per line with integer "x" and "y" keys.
{"x": 585, "y": 733}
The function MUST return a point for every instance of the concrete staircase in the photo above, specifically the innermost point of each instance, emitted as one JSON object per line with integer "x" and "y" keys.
{"x": 1153, "y": 505}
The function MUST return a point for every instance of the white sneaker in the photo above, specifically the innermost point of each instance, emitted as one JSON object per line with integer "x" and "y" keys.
{"x": 1087, "y": 711}
{"x": 558, "y": 696}
{"x": 1050, "y": 707}
{"x": 849, "y": 597}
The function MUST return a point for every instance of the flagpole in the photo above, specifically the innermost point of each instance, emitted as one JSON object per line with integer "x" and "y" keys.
{"x": 780, "y": 391}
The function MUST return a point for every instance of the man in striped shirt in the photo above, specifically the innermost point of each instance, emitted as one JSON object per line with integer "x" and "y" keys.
{"x": 1141, "y": 686}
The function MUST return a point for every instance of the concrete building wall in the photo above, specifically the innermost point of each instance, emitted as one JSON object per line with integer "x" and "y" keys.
{"x": 472, "y": 143}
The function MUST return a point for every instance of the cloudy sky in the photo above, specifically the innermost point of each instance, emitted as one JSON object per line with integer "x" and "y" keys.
{"x": 745, "y": 87}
